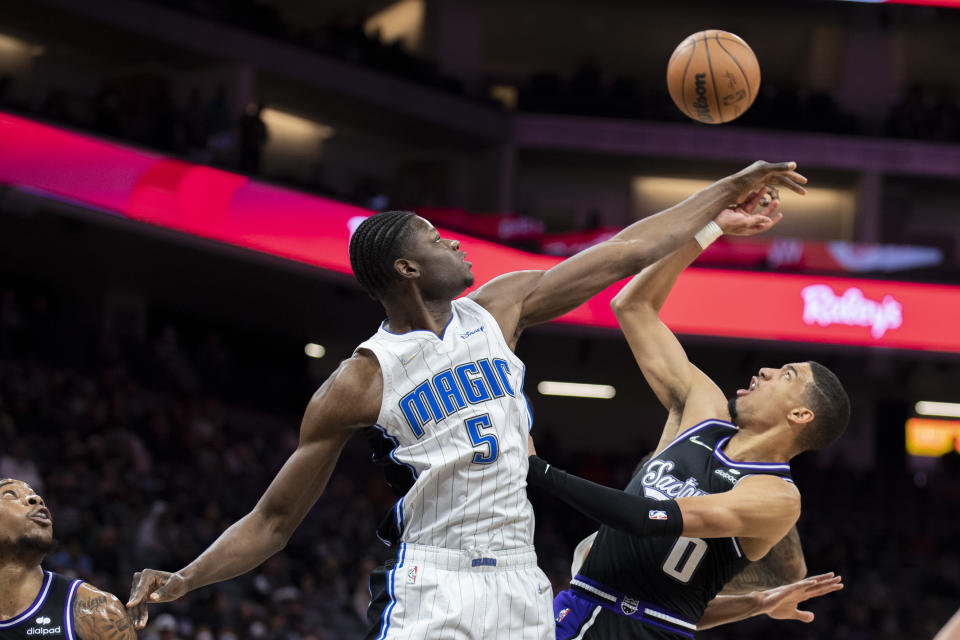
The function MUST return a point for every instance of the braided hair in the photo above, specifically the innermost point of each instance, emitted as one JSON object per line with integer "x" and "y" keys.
{"x": 374, "y": 247}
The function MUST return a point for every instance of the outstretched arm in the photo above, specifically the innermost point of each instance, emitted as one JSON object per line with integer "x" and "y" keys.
{"x": 98, "y": 615}
{"x": 781, "y": 603}
{"x": 686, "y": 392}
{"x": 518, "y": 300}
{"x": 783, "y": 564}
{"x": 760, "y": 507}
{"x": 348, "y": 400}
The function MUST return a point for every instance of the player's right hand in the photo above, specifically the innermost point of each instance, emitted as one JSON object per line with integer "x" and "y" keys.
{"x": 761, "y": 174}
{"x": 151, "y": 586}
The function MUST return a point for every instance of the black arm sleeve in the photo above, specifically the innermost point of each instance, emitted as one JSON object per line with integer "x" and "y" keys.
{"x": 631, "y": 514}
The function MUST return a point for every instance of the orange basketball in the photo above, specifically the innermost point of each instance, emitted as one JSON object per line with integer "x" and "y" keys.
{"x": 713, "y": 76}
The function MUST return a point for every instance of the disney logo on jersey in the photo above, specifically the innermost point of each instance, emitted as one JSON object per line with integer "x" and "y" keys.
{"x": 659, "y": 483}
{"x": 454, "y": 389}
{"x": 467, "y": 334}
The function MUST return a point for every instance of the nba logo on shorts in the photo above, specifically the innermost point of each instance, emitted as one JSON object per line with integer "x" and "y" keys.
{"x": 658, "y": 515}
{"x": 629, "y": 606}
{"x": 563, "y": 614}
{"x": 412, "y": 575}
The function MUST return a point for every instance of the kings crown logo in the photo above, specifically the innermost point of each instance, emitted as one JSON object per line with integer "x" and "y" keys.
{"x": 629, "y": 606}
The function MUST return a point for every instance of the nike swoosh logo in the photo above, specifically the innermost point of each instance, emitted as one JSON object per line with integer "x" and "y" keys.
{"x": 407, "y": 361}
{"x": 696, "y": 440}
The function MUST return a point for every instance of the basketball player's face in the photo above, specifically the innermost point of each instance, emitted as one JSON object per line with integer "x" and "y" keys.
{"x": 773, "y": 393}
{"x": 24, "y": 518}
{"x": 443, "y": 272}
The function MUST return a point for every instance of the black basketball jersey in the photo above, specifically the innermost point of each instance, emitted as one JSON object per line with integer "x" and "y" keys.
{"x": 50, "y": 615}
{"x": 678, "y": 574}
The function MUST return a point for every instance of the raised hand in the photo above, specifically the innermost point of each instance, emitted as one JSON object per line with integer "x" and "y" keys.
{"x": 761, "y": 174}
{"x": 756, "y": 213}
{"x": 783, "y": 602}
{"x": 150, "y": 586}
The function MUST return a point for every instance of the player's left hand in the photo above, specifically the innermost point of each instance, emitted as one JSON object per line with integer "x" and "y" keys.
{"x": 783, "y": 602}
{"x": 758, "y": 212}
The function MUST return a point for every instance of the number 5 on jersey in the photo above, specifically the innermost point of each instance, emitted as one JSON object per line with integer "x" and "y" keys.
{"x": 489, "y": 442}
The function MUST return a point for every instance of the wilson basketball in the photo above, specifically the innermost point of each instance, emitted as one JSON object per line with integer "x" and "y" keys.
{"x": 713, "y": 76}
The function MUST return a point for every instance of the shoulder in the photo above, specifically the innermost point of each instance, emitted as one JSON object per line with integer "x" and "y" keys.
{"x": 707, "y": 432}
{"x": 503, "y": 298}
{"x": 772, "y": 488}
{"x": 351, "y": 396}
{"x": 99, "y": 614}
{"x": 352, "y": 377}
{"x": 361, "y": 367}
{"x": 506, "y": 290}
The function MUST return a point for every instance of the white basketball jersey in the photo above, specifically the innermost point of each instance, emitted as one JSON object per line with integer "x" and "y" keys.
{"x": 453, "y": 434}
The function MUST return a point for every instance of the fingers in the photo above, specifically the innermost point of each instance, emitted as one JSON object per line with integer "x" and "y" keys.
{"x": 763, "y": 220}
{"x": 165, "y": 593}
{"x": 822, "y": 589}
{"x": 770, "y": 210}
{"x": 822, "y": 576}
{"x": 792, "y": 181}
{"x": 753, "y": 201}
{"x": 781, "y": 173}
{"x": 137, "y": 591}
{"x": 803, "y": 616}
{"x": 140, "y": 616}
{"x": 770, "y": 167}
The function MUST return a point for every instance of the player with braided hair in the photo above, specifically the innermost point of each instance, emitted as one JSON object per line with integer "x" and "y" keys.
{"x": 438, "y": 391}
{"x": 375, "y": 245}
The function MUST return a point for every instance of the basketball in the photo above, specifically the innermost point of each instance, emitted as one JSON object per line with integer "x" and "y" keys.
{"x": 713, "y": 76}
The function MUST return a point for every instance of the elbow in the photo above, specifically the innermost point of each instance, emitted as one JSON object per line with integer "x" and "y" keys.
{"x": 623, "y": 305}
{"x": 619, "y": 304}
{"x": 276, "y": 531}
{"x": 279, "y": 535}
{"x": 796, "y": 570}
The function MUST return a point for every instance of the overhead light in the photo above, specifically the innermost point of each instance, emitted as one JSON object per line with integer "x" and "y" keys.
{"x": 314, "y": 350}
{"x": 944, "y": 409}
{"x": 576, "y": 389}
{"x": 402, "y": 20}
{"x": 287, "y": 125}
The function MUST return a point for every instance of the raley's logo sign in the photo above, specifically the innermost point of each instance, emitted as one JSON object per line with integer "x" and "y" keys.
{"x": 823, "y": 307}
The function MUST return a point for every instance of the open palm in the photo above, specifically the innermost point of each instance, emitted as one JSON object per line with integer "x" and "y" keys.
{"x": 758, "y": 212}
{"x": 783, "y": 602}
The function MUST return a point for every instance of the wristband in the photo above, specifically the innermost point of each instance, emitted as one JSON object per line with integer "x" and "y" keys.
{"x": 710, "y": 232}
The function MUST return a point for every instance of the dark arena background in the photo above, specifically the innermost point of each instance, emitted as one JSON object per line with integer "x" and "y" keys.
{"x": 178, "y": 181}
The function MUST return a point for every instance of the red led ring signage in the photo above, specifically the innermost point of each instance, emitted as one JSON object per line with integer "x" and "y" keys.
{"x": 237, "y": 210}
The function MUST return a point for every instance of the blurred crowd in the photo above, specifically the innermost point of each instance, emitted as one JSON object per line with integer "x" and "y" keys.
{"x": 589, "y": 92}
{"x": 144, "y": 456}
{"x": 141, "y": 108}
{"x": 928, "y": 113}
{"x": 344, "y": 37}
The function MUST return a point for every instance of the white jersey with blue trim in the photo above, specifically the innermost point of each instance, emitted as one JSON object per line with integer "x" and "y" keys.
{"x": 452, "y": 434}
